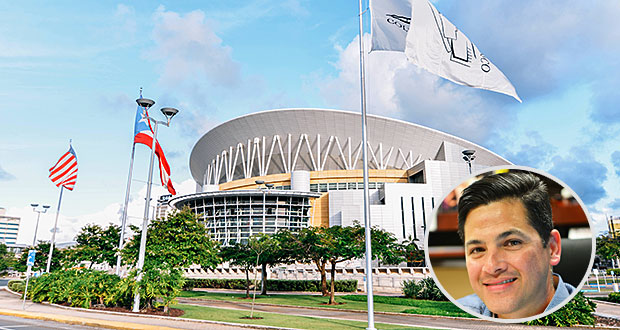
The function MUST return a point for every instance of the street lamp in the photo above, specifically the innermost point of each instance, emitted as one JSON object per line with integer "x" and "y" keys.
{"x": 265, "y": 191}
{"x": 168, "y": 113}
{"x": 35, "y": 208}
{"x": 468, "y": 156}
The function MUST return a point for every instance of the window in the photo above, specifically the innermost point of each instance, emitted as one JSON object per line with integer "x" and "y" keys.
{"x": 415, "y": 232}
{"x": 423, "y": 215}
{"x": 402, "y": 214}
{"x": 417, "y": 177}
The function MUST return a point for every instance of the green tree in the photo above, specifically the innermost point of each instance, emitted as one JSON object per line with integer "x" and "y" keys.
{"x": 172, "y": 244}
{"x": 240, "y": 255}
{"x": 40, "y": 262}
{"x": 343, "y": 244}
{"x": 338, "y": 244}
{"x": 95, "y": 244}
{"x": 7, "y": 258}
{"x": 385, "y": 247}
{"x": 269, "y": 252}
{"x": 608, "y": 247}
{"x": 413, "y": 255}
{"x": 307, "y": 246}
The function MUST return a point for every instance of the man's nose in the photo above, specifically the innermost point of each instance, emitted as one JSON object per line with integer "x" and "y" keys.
{"x": 494, "y": 262}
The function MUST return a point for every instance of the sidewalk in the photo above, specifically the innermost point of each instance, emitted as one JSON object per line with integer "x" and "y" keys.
{"x": 11, "y": 305}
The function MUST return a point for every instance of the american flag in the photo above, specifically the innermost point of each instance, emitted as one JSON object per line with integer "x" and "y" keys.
{"x": 143, "y": 134}
{"x": 64, "y": 173}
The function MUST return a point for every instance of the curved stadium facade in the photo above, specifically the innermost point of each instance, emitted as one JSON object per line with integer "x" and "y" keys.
{"x": 313, "y": 160}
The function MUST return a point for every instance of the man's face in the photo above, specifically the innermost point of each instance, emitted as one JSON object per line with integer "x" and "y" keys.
{"x": 507, "y": 265}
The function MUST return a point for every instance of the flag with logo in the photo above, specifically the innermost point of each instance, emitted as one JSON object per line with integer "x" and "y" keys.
{"x": 436, "y": 45}
{"x": 64, "y": 172}
{"x": 143, "y": 134}
{"x": 433, "y": 43}
{"x": 389, "y": 24}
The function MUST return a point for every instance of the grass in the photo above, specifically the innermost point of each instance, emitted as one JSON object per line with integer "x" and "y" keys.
{"x": 277, "y": 320}
{"x": 353, "y": 302}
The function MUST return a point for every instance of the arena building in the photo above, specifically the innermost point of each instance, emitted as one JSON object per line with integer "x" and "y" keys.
{"x": 293, "y": 168}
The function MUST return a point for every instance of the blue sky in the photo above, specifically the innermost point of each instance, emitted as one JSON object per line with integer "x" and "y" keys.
{"x": 72, "y": 71}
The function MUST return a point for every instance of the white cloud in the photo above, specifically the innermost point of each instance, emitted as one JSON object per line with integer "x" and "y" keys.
{"x": 70, "y": 226}
{"x": 190, "y": 50}
{"x": 396, "y": 88}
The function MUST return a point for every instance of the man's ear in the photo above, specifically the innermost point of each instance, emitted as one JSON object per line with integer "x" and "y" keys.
{"x": 555, "y": 247}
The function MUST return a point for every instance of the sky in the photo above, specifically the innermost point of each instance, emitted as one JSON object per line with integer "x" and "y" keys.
{"x": 72, "y": 71}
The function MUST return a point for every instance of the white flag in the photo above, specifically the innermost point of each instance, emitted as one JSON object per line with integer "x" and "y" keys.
{"x": 436, "y": 45}
{"x": 389, "y": 24}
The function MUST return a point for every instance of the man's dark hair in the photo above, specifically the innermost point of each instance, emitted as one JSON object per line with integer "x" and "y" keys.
{"x": 523, "y": 186}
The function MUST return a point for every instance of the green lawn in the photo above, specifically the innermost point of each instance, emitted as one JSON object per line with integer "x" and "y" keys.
{"x": 353, "y": 302}
{"x": 277, "y": 320}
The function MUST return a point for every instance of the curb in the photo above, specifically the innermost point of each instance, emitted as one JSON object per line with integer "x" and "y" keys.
{"x": 81, "y": 320}
{"x": 240, "y": 325}
{"x": 116, "y": 324}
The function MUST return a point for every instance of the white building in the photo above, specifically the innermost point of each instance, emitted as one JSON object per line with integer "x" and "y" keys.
{"x": 312, "y": 159}
{"x": 9, "y": 228}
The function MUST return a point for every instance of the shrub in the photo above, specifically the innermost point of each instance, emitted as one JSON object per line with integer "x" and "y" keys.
{"x": 411, "y": 288}
{"x": 425, "y": 289}
{"x": 272, "y": 285}
{"x": 614, "y": 297}
{"x": 615, "y": 270}
{"x": 78, "y": 288}
{"x": 578, "y": 311}
{"x": 16, "y": 285}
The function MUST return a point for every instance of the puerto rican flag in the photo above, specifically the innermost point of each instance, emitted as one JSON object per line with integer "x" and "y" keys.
{"x": 143, "y": 133}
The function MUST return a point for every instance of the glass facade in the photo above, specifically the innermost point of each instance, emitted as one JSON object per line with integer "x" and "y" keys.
{"x": 234, "y": 216}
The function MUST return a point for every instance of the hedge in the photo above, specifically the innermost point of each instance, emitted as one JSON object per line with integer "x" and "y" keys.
{"x": 578, "y": 311}
{"x": 424, "y": 289}
{"x": 615, "y": 270}
{"x": 272, "y": 285}
{"x": 16, "y": 285}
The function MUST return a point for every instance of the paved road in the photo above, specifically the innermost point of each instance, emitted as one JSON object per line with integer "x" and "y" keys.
{"x": 16, "y": 323}
{"x": 3, "y": 282}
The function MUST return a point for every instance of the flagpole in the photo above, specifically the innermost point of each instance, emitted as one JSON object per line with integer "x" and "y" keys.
{"x": 124, "y": 216}
{"x": 367, "y": 226}
{"x": 49, "y": 256}
{"x": 145, "y": 222}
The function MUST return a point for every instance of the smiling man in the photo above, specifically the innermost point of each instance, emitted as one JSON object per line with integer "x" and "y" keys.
{"x": 511, "y": 247}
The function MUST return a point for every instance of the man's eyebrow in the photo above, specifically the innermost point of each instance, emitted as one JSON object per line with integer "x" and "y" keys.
{"x": 508, "y": 233}
{"x": 499, "y": 237}
{"x": 473, "y": 242}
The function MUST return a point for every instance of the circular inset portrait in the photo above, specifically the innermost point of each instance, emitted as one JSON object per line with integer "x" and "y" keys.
{"x": 510, "y": 244}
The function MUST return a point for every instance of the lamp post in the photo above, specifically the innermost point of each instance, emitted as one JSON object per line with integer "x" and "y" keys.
{"x": 468, "y": 156}
{"x": 264, "y": 190}
{"x": 168, "y": 113}
{"x": 35, "y": 208}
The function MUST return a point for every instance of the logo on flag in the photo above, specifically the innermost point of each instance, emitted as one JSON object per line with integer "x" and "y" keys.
{"x": 64, "y": 173}
{"x": 143, "y": 134}
{"x": 390, "y": 24}
{"x": 433, "y": 43}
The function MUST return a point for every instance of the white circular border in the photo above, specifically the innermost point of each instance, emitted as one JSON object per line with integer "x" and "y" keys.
{"x": 525, "y": 319}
